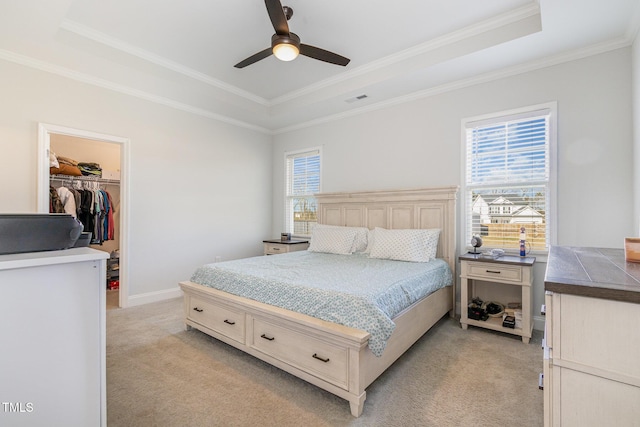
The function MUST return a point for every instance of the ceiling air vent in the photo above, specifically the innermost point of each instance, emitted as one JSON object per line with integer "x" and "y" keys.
{"x": 357, "y": 98}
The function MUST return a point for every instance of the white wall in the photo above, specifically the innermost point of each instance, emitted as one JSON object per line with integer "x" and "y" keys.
{"x": 636, "y": 134}
{"x": 198, "y": 188}
{"x": 418, "y": 144}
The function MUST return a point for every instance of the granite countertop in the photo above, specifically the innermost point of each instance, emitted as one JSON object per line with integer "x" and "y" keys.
{"x": 593, "y": 272}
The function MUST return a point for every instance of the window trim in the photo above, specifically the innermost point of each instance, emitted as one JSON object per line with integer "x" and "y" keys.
{"x": 288, "y": 154}
{"x": 522, "y": 112}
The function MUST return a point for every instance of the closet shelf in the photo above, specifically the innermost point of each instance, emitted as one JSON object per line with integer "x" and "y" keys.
{"x": 70, "y": 178}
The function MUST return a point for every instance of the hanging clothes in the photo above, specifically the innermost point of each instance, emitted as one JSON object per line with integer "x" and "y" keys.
{"x": 98, "y": 217}
{"x": 68, "y": 201}
{"x": 110, "y": 222}
{"x": 55, "y": 205}
{"x": 105, "y": 217}
{"x": 91, "y": 205}
{"x": 86, "y": 210}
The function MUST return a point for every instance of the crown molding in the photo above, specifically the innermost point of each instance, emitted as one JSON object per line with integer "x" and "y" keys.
{"x": 487, "y": 77}
{"x": 472, "y": 81}
{"x": 498, "y": 21}
{"x": 158, "y": 60}
{"x": 471, "y": 31}
{"x": 105, "y": 84}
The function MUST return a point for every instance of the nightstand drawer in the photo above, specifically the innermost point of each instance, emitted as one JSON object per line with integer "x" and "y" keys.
{"x": 275, "y": 248}
{"x": 492, "y": 271}
{"x": 278, "y": 247}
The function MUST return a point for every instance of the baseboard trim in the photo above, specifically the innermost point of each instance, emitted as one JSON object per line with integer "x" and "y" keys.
{"x": 538, "y": 323}
{"x": 150, "y": 297}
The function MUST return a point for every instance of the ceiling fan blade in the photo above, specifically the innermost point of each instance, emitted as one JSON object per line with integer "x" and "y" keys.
{"x": 254, "y": 58}
{"x": 323, "y": 55}
{"x": 277, "y": 16}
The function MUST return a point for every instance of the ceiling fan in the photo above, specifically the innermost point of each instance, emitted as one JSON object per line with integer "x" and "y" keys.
{"x": 286, "y": 45}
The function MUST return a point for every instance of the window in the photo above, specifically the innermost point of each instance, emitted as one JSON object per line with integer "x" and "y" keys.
{"x": 302, "y": 181}
{"x": 508, "y": 180}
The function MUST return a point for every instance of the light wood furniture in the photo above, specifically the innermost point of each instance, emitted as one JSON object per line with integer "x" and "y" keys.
{"x": 506, "y": 270}
{"x": 52, "y": 362}
{"x": 331, "y": 356}
{"x": 274, "y": 247}
{"x": 592, "y": 339}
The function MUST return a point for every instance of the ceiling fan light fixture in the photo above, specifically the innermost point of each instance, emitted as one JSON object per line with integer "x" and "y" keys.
{"x": 286, "y": 51}
{"x": 285, "y": 47}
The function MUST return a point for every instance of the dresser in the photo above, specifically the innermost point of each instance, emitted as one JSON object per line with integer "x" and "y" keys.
{"x": 592, "y": 338}
{"x": 277, "y": 246}
{"x": 52, "y": 359}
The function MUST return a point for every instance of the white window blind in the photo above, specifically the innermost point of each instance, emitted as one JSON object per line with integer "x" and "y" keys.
{"x": 302, "y": 182}
{"x": 507, "y": 180}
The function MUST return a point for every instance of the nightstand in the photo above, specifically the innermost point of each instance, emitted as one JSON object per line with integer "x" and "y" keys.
{"x": 276, "y": 246}
{"x": 504, "y": 280}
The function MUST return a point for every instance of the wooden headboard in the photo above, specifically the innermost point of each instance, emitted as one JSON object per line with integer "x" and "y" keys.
{"x": 419, "y": 208}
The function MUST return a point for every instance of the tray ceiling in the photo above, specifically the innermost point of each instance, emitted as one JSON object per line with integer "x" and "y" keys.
{"x": 182, "y": 53}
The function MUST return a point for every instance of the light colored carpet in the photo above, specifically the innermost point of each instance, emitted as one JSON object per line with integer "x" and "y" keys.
{"x": 113, "y": 299}
{"x": 158, "y": 374}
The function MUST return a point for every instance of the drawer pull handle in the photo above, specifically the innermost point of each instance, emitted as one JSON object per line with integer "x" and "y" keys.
{"x": 229, "y": 322}
{"x": 315, "y": 356}
{"x": 276, "y": 249}
{"x": 266, "y": 337}
{"x": 493, "y": 271}
{"x": 199, "y": 310}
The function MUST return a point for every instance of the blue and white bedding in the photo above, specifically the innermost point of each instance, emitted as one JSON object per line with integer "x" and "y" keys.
{"x": 352, "y": 290}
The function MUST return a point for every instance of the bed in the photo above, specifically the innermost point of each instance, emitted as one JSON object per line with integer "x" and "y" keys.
{"x": 343, "y": 360}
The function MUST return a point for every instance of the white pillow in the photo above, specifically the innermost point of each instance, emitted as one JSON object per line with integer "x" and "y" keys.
{"x": 361, "y": 237}
{"x": 361, "y": 240}
{"x": 333, "y": 240}
{"x": 370, "y": 239}
{"x": 415, "y": 245}
{"x": 433, "y": 235}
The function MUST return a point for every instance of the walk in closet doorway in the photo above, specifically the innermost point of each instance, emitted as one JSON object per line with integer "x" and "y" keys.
{"x": 101, "y": 172}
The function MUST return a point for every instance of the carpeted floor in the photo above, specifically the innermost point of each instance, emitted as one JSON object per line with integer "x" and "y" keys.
{"x": 158, "y": 374}
{"x": 113, "y": 296}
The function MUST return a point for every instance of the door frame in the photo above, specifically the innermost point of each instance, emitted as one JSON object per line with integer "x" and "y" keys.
{"x": 44, "y": 144}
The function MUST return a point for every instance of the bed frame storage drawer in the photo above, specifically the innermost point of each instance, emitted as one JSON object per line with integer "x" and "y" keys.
{"x": 325, "y": 360}
{"x": 226, "y": 321}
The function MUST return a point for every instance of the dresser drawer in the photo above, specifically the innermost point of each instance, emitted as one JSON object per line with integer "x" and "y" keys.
{"x": 322, "y": 359}
{"x": 492, "y": 271}
{"x": 597, "y": 332}
{"x": 228, "y": 322}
